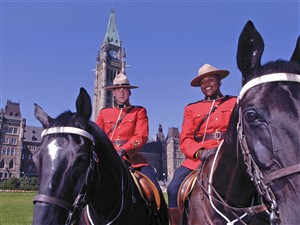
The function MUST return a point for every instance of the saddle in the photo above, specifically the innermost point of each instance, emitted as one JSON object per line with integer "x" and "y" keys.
{"x": 147, "y": 189}
{"x": 185, "y": 189}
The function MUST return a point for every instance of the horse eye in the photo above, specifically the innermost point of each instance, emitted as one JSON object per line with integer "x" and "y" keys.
{"x": 252, "y": 117}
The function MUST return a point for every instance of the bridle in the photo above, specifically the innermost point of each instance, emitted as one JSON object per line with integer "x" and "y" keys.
{"x": 262, "y": 181}
{"x": 210, "y": 190}
{"x": 81, "y": 199}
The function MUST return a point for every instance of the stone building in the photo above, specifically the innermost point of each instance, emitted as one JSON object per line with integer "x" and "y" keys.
{"x": 17, "y": 144}
{"x": 12, "y": 127}
{"x": 31, "y": 141}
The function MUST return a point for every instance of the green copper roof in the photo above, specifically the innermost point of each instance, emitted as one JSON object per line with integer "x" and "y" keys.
{"x": 112, "y": 31}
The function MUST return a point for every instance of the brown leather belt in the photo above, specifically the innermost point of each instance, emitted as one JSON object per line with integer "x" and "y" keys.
{"x": 213, "y": 136}
{"x": 118, "y": 142}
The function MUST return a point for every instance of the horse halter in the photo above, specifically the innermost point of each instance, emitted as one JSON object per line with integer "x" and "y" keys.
{"x": 80, "y": 201}
{"x": 262, "y": 181}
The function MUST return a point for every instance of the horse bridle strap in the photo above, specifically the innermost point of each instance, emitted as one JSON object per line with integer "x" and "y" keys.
{"x": 281, "y": 173}
{"x": 53, "y": 200}
{"x": 274, "y": 77}
{"x": 68, "y": 130}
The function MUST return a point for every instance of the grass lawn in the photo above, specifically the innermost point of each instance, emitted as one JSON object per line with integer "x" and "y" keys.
{"x": 16, "y": 208}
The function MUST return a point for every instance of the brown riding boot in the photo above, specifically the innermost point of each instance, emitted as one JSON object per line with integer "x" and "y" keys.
{"x": 174, "y": 216}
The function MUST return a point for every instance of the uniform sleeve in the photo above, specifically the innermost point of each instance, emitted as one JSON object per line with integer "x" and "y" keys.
{"x": 188, "y": 145}
{"x": 140, "y": 136}
{"x": 99, "y": 120}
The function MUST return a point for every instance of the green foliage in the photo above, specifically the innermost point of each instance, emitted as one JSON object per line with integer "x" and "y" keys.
{"x": 16, "y": 208}
{"x": 24, "y": 183}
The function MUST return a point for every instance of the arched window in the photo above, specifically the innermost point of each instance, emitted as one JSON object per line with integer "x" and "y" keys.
{"x": 8, "y": 151}
{"x": 11, "y": 164}
{"x": 2, "y": 163}
{"x": 4, "y": 151}
{"x": 12, "y": 151}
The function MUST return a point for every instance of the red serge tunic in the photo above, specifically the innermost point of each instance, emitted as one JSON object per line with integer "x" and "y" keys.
{"x": 216, "y": 122}
{"x": 131, "y": 134}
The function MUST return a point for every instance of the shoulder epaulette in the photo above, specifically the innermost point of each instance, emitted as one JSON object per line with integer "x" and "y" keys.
{"x": 195, "y": 102}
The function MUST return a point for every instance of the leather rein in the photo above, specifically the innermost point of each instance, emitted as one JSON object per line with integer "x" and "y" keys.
{"x": 260, "y": 180}
{"x": 81, "y": 200}
{"x": 209, "y": 190}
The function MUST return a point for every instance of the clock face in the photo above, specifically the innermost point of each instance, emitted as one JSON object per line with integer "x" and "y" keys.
{"x": 113, "y": 54}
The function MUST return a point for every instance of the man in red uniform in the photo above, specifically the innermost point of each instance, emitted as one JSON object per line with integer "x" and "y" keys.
{"x": 127, "y": 127}
{"x": 204, "y": 125}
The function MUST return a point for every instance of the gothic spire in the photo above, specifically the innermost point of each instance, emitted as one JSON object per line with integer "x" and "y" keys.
{"x": 112, "y": 35}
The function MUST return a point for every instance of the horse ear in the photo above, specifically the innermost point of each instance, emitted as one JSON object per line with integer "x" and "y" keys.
{"x": 41, "y": 115}
{"x": 83, "y": 104}
{"x": 250, "y": 49}
{"x": 296, "y": 55}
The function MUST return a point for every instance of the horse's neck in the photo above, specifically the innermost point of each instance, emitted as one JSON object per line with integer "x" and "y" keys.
{"x": 229, "y": 177}
{"x": 110, "y": 186}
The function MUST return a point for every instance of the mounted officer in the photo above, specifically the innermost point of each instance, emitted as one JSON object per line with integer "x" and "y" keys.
{"x": 127, "y": 127}
{"x": 203, "y": 127}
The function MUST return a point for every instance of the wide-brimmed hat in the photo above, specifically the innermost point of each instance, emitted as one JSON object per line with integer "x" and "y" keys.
{"x": 207, "y": 70}
{"x": 121, "y": 81}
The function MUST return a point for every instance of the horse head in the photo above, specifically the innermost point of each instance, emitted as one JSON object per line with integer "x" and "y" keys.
{"x": 269, "y": 124}
{"x": 66, "y": 162}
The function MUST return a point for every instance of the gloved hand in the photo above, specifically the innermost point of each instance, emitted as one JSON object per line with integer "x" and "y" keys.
{"x": 198, "y": 154}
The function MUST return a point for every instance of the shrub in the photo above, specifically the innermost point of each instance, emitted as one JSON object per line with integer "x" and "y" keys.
{"x": 24, "y": 183}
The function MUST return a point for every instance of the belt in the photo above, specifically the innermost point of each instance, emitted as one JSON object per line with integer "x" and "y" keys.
{"x": 118, "y": 142}
{"x": 213, "y": 136}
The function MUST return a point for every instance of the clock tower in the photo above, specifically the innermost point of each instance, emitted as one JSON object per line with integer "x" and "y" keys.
{"x": 110, "y": 61}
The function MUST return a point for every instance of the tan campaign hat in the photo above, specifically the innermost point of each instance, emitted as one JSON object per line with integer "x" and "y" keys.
{"x": 121, "y": 81}
{"x": 207, "y": 70}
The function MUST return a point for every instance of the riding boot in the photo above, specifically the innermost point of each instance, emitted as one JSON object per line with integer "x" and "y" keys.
{"x": 174, "y": 216}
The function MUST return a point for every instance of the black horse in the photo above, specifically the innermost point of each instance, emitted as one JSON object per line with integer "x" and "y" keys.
{"x": 254, "y": 177}
{"x": 82, "y": 178}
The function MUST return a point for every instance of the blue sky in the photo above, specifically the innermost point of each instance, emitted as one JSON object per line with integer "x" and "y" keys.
{"x": 48, "y": 49}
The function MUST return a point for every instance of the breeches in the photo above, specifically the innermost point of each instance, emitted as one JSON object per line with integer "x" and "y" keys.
{"x": 173, "y": 188}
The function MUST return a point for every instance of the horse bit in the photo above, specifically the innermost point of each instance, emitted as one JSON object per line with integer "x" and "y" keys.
{"x": 261, "y": 181}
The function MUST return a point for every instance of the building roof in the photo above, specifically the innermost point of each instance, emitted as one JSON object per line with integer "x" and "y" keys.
{"x": 12, "y": 110}
{"x": 173, "y": 133}
{"x": 112, "y": 35}
{"x": 32, "y": 134}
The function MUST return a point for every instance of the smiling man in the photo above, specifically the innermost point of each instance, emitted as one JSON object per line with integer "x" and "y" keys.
{"x": 204, "y": 125}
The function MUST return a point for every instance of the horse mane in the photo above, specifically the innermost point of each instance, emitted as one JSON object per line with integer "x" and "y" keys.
{"x": 100, "y": 136}
{"x": 279, "y": 66}
{"x": 66, "y": 118}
